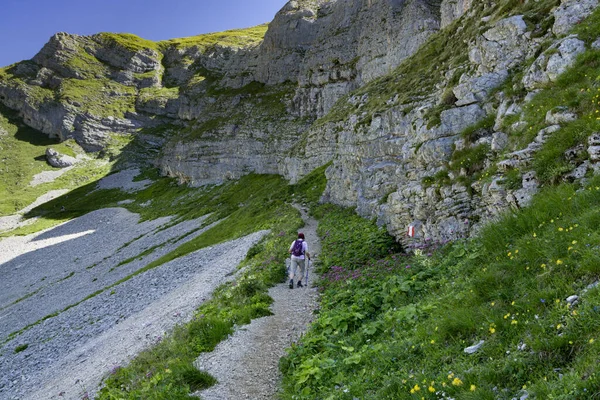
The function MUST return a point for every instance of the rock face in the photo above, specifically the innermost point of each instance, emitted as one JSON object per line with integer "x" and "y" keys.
{"x": 404, "y": 104}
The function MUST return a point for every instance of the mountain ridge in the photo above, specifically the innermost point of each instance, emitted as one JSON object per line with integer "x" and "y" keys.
{"x": 372, "y": 87}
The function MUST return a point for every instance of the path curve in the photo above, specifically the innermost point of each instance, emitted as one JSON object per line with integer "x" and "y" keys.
{"x": 246, "y": 364}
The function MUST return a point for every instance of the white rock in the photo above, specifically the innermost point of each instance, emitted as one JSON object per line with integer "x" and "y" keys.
{"x": 474, "y": 348}
{"x": 570, "y": 13}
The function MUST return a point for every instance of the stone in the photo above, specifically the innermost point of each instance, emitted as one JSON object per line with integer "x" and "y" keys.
{"x": 570, "y": 13}
{"x": 451, "y": 10}
{"x": 560, "y": 115}
{"x": 476, "y": 89}
{"x": 594, "y": 139}
{"x": 499, "y": 141}
{"x": 502, "y": 47}
{"x": 553, "y": 62}
{"x": 572, "y": 300}
{"x": 58, "y": 160}
{"x": 455, "y": 120}
{"x": 474, "y": 348}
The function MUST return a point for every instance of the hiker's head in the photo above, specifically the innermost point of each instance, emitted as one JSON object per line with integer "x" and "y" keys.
{"x": 301, "y": 235}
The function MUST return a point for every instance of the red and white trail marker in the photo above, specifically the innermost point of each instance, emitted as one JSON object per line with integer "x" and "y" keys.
{"x": 411, "y": 231}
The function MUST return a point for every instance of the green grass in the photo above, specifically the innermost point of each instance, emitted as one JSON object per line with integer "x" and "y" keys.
{"x": 231, "y": 38}
{"x": 165, "y": 370}
{"x": 21, "y": 348}
{"x": 128, "y": 41}
{"x": 23, "y": 156}
{"x": 100, "y": 97}
{"x": 391, "y": 324}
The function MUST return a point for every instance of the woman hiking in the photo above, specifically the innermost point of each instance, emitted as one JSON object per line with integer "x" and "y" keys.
{"x": 298, "y": 250}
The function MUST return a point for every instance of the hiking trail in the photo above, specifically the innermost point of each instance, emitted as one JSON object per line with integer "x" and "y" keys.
{"x": 246, "y": 364}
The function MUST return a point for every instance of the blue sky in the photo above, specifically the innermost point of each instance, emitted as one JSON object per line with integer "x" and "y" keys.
{"x": 26, "y": 25}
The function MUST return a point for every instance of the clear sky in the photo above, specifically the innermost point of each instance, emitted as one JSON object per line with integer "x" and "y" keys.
{"x": 26, "y": 25}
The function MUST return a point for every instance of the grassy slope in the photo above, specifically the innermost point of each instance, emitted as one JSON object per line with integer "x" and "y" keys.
{"x": 166, "y": 371}
{"x": 395, "y": 327}
{"x": 232, "y": 38}
{"x": 22, "y": 152}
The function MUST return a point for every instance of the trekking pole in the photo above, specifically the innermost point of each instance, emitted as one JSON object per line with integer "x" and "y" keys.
{"x": 307, "y": 266}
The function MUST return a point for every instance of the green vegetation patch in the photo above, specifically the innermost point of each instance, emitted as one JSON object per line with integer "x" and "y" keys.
{"x": 231, "y": 38}
{"x": 397, "y": 326}
{"x": 100, "y": 97}
{"x": 22, "y": 156}
{"x": 166, "y": 369}
{"x": 155, "y": 93}
{"x": 128, "y": 41}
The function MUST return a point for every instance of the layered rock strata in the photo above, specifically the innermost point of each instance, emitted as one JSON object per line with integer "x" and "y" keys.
{"x": 316, "y": 90}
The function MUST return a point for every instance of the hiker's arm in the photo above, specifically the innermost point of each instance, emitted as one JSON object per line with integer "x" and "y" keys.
{"x": 307, "y": 254}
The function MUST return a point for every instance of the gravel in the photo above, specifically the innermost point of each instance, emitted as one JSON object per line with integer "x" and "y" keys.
{"x": 49, "y": 176}
{"x": 16, "y": 221}
{"x": 246, "y": 364}
{"x": 57, "y": 270}
{"x": 123, "y": 180}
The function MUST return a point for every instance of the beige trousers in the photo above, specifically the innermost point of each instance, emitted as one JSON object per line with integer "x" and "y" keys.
{"x": 297, "y": 262}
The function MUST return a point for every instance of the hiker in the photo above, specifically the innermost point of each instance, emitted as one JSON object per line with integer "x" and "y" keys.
{"x": 298, "y": 250}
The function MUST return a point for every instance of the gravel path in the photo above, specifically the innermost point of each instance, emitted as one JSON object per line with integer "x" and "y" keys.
{"x": 16, "y": 221}
{"x": 53, "y": 273}
{"x": 246, "y": 364}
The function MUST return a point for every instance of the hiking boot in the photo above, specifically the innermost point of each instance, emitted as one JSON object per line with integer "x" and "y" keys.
{"x": 299, "y": 283}
{"x": 291, "y": 283}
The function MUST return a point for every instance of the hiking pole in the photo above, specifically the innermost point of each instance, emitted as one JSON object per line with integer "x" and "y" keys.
{"x": 307, "y": 266}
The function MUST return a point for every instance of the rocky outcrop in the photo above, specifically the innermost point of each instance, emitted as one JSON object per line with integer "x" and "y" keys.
{"x": 553, "y": 62}
{"x": 315, "y": 91}
{"x": 570, "y": 13}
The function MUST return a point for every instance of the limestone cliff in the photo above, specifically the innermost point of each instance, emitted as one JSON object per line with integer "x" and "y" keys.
{"x": 412, "y": 101}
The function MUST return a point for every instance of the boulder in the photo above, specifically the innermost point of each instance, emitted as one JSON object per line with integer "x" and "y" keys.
{"x": 58, "y": 160}
{"x": 476, "y": 89}
{"x": 499, "y": 141}
{"x": 560, "y": 115}
{"x": 553, "y": 62}
{"x": 503, "y": 47}
{"x": 451, "y": 10}
{"x": 570, "y": 13}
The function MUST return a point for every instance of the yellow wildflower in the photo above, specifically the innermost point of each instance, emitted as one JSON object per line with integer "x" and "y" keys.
{"x": 514, "y": 322}
{"x": 457, "y": 382}
{"x": 416, "y": 388}
{"x": 431, "y": 389}
{"x": 492, "y": 330}
{"x": 559, "y": 262}
{"x": 472, "y": 388}
{"x": 559, "y": 326}
{"x": 591, "y": 340}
